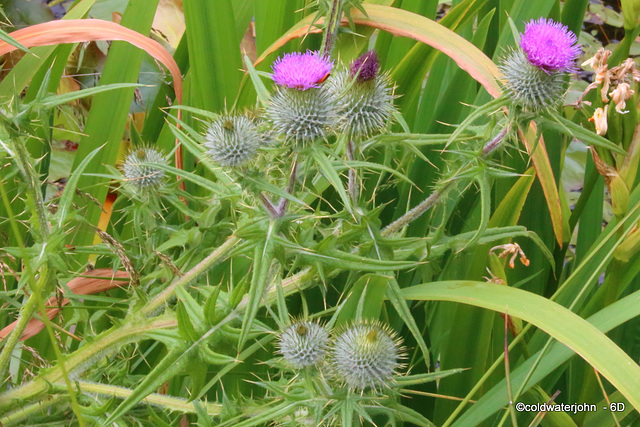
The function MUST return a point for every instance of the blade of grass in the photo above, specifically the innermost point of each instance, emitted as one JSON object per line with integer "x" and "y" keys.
{"x": 565, "y": 326}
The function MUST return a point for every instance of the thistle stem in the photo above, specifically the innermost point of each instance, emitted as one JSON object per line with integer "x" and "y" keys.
{"x": 219, "y": 255}
{"x": 331, "y": 29}
{"x": 268, "y": 205}
{"x": 436, "y": 196}
{"x": 353, "y": 182}
{"x": 416, "y": 212}
{"x": 283, "y": 203}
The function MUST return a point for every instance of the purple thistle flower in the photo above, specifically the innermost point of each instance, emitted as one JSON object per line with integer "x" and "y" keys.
{"x": 549, "y": 45}
{"x": 301, "y": 70}
{"x": 365, "y": 67}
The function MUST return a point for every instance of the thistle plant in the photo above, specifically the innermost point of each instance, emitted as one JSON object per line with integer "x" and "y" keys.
{"x": 535, "y": 71}
{"x": 302, "y": 110}
{"x": 202, "y": 269}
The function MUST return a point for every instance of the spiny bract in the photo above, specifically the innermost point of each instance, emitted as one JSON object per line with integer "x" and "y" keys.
{"x": 365, "y": 106}
{"x": 531, "y": 87}
{"x": 366, "y": 355}
{"x": 138, "y": 171}
{"x": 232, "y": 140}
{"x": 302, "y": 116}
{"x": 303, "y": 343}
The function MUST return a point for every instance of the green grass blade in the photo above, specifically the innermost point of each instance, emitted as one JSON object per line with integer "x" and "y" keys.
{"x": 563, "y": 325}
{"x": 605, "y": 320}
{"x": 108, "y": 116}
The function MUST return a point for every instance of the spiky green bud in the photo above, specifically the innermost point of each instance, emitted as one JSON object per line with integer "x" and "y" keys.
{"x": 303, "y": 343}
{"x": 532, "y": 87}
{"x": 302, "y": 115}
{"x": 366, "y": 355}
{"x": 139, "y": 171}
{"x": 365, "y": 106}
{"x": 232, "y": 140}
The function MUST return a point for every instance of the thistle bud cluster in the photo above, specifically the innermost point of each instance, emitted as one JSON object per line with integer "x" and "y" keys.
{"x": 364, "y": 355}
{"x": 534, "y": 72}
{"x": 311, "y": 101}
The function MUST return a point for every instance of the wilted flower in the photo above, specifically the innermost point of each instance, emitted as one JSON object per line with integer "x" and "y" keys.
{"x": 304, "y": 343}
{"x": 550, "y": 45}
{"x": 301, "y": 71}
{"x": 366, "y": 355}
{"x": 232, "y": 139}
{"x": 620, "y": 95}
{"x": 139, "y": 171}
{"x": 600, "y": 120}
{"x": 535, "y": 73}
{"x": 364, "y": 97}
{"x": 602, "y": 76}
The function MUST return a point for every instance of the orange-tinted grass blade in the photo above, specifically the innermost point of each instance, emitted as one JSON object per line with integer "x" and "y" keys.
{"x": 544, "y": 173}
{"x": 79, "y": 286}
{"x": 103, "y": 223}
{"x": 407, "y": 24}
{"x": 85, "y": 30}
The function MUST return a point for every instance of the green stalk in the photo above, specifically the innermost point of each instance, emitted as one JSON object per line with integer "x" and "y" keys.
{"x": 215, "y": 257}
{"x": 27, "y": 310}
{"x": 16, "y": 417}
{"x": 331, "y": 30}
{"x": 132, "y": 331}
{"x": 169, "y": 402}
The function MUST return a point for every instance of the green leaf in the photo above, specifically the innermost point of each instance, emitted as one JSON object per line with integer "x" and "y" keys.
{"x": 185, "y": 326}
{"x": 394, "y": 293}
{"x": 563, "y": 325}
{"x": 209, "y": 308}
{"x": 364, "y": 301}
{"x": 558, "y": 354}
{"x": 326, "y": 168}
{"x": 263, "y": 257}
{"x": 55, "y": 100}
{"x": 574, "y": 130}
{"x": 261, "y": 90}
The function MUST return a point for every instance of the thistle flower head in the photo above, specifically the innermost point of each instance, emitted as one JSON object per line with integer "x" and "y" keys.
{"x": 303, "y": 343}
{"x": 139, "y": 171}
{"x": 301, "y": 71}
{"x": 366, "y": 355}
{"x": 232, "y": 139}
{"x": 365, "y": 67}
{"x": 529, "y": 86}
{"x": 549, "y": 45}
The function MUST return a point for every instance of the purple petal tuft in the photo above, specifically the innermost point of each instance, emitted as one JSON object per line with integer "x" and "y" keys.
{"x": 365, "y": 67}
{"x": 549, "y": 45}
{"x": 301, "y": 70}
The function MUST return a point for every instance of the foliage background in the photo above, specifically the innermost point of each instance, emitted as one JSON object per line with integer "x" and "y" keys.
{"x": 192, "y": 268}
